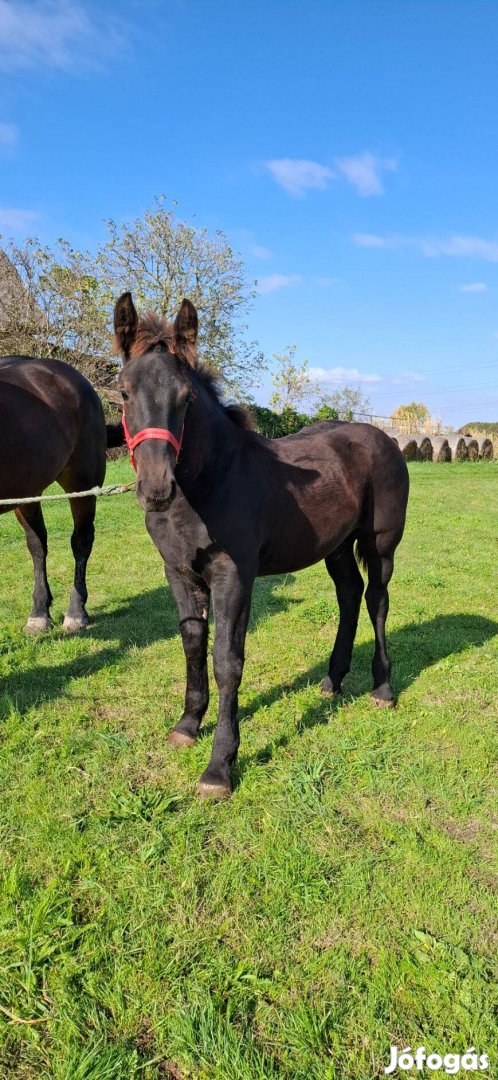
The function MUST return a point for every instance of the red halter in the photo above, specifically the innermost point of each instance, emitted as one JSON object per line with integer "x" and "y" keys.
{"x": 132, "y": 441}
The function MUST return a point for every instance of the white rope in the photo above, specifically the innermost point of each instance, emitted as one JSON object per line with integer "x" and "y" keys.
{"x": 111, "y": 489}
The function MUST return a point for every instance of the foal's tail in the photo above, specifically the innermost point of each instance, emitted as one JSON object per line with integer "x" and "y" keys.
{"x": 384, "y": 505}
{"x": 115, "y": 435}
{"x": 360, "y": 551}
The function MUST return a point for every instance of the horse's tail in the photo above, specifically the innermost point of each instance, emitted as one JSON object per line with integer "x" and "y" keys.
{"x": 115, "y": 435}
{"x": 360, "y": 551}
{"x": 361, "y": 542}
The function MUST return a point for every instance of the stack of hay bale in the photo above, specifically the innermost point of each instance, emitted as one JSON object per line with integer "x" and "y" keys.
{"x": 453, "y": 447}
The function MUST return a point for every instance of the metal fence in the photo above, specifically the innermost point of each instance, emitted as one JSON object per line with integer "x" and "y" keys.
{"x": 408, "y": 427}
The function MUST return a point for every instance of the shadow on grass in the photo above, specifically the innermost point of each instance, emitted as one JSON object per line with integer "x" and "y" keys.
{"x": 140, "y": 621}
{"x": 152, "y": 616}
{"x": 413, "y": 648}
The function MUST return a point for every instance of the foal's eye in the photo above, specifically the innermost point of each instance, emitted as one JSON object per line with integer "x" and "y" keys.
{"x": 124, "y": 394}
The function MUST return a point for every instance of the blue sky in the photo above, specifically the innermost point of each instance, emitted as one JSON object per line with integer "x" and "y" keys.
{"x": 348, "y": 148}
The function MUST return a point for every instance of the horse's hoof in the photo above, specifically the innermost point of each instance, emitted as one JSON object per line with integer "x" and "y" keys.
{"x": 213, "y": 791}
{"x": 326, "y": 688}
{"x": 37, "y": 624}
{"x": 179, "y": 739}
{"x": 383, "y": 703}
{"x": 72, "y": 624}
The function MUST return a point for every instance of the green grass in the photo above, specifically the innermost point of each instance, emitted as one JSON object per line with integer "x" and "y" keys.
{"x": 343, "y": 900}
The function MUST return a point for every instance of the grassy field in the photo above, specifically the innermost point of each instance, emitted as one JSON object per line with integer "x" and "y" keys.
{"x": 343, "y": 900}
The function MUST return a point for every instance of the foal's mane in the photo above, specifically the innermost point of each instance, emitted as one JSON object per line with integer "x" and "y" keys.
{"x": 210, "y": 379}
{"x": 155, "y": 332}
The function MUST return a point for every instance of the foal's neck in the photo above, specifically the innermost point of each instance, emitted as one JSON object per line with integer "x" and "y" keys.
{"x": 209, "y": 438}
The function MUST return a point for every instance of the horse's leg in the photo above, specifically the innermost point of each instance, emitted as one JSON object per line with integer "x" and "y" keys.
{"x": 380, "y": 562}
{"x": 192, "y": 600}
{"x": 231, "y": 603}
{"x": 343, "y": 569}
{"x": 31, "y": 518}
{"x": 83, "y": 511}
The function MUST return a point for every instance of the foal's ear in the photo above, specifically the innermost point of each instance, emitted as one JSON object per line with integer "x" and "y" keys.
{"x": 186, "y": 327}
{"x": 125, "y": 325}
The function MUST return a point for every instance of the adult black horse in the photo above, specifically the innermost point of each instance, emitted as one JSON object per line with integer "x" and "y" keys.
{"x": 224, "y": 505}
{"x": 52, "y": 427}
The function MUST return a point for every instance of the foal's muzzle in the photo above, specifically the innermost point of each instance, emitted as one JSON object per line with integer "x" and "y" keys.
{"x": 155, "y": 502}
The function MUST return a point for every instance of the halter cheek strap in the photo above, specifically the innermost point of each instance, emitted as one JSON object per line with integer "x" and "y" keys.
{"x": 132, "y": 441}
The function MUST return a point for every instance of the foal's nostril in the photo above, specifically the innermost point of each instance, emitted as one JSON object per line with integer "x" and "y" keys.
{"x": 155, "y": 498}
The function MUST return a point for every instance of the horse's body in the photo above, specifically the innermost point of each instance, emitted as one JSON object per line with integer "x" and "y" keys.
{"x": 236, "y": 505}
{"x": 283, "y": 504}
{"x": 52, "y": 428}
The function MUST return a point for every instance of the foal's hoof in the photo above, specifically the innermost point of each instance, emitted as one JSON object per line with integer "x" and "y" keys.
{"x": 383, "y": 703}
{"x": 73, "y": 624}
{"x": 178, "y": 739}
{"x": 326, "y": 688}
{"x": 37, "y": 624}
{"x": 213, "y": 791}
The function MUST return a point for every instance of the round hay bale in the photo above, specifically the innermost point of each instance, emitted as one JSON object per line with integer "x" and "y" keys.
{"x": 485, "y": 447}
{"x": 440, "y": 448}
{"x": 424, "y": 448}
{"x": 472, "y": 447}
{"x": 458, "y": 448}
{"x": 408, "y": 446}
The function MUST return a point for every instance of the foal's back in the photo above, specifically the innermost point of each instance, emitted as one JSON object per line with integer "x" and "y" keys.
{"x": 321, "y": 485}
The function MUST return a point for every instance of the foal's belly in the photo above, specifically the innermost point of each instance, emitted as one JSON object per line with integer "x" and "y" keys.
{"x": 299, "y": 534}
{"x": 276, "y": 559}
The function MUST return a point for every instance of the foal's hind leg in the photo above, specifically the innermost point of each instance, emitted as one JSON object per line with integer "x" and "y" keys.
{"x": 379, "y": 557}
{"x": 348, "y": 582}
{"x": 83, "y": 511}
{"x": 192, "y": 600}
{"x": 31, "y": 518}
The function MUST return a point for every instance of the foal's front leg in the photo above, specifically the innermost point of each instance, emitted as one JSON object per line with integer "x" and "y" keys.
{"x": 231, "y": 602}
{"x": 192, "y": 601}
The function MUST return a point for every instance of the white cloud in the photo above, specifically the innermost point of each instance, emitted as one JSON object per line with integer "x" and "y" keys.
{"x": 52, "y": 33}
{"x": 475, "y": 287}
{"x": 274, "y": 282}
{"x": 341, "y": 375}
{"x": 16, "y": 220}
{"x": 474, "y": 247}
{"x": 260, "y": 252}
{"x": 370, "y": 240}
{"x": 433, "y": 247}
{"x": 296, "y": 176}
{"x": 364, "y": 172}
{"x": 9, "y": 136}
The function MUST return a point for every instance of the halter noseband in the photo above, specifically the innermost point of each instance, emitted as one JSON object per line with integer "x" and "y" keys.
{"x": 132, "y": 441}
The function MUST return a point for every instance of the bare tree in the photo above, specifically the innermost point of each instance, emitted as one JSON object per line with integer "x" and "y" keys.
{"x": 291, "y": 382}
{"x": 347, "y": 402}
{"x": 52, "y": 305}
{"x": 58, "y": 303}
{"x": 162, "y": 260}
